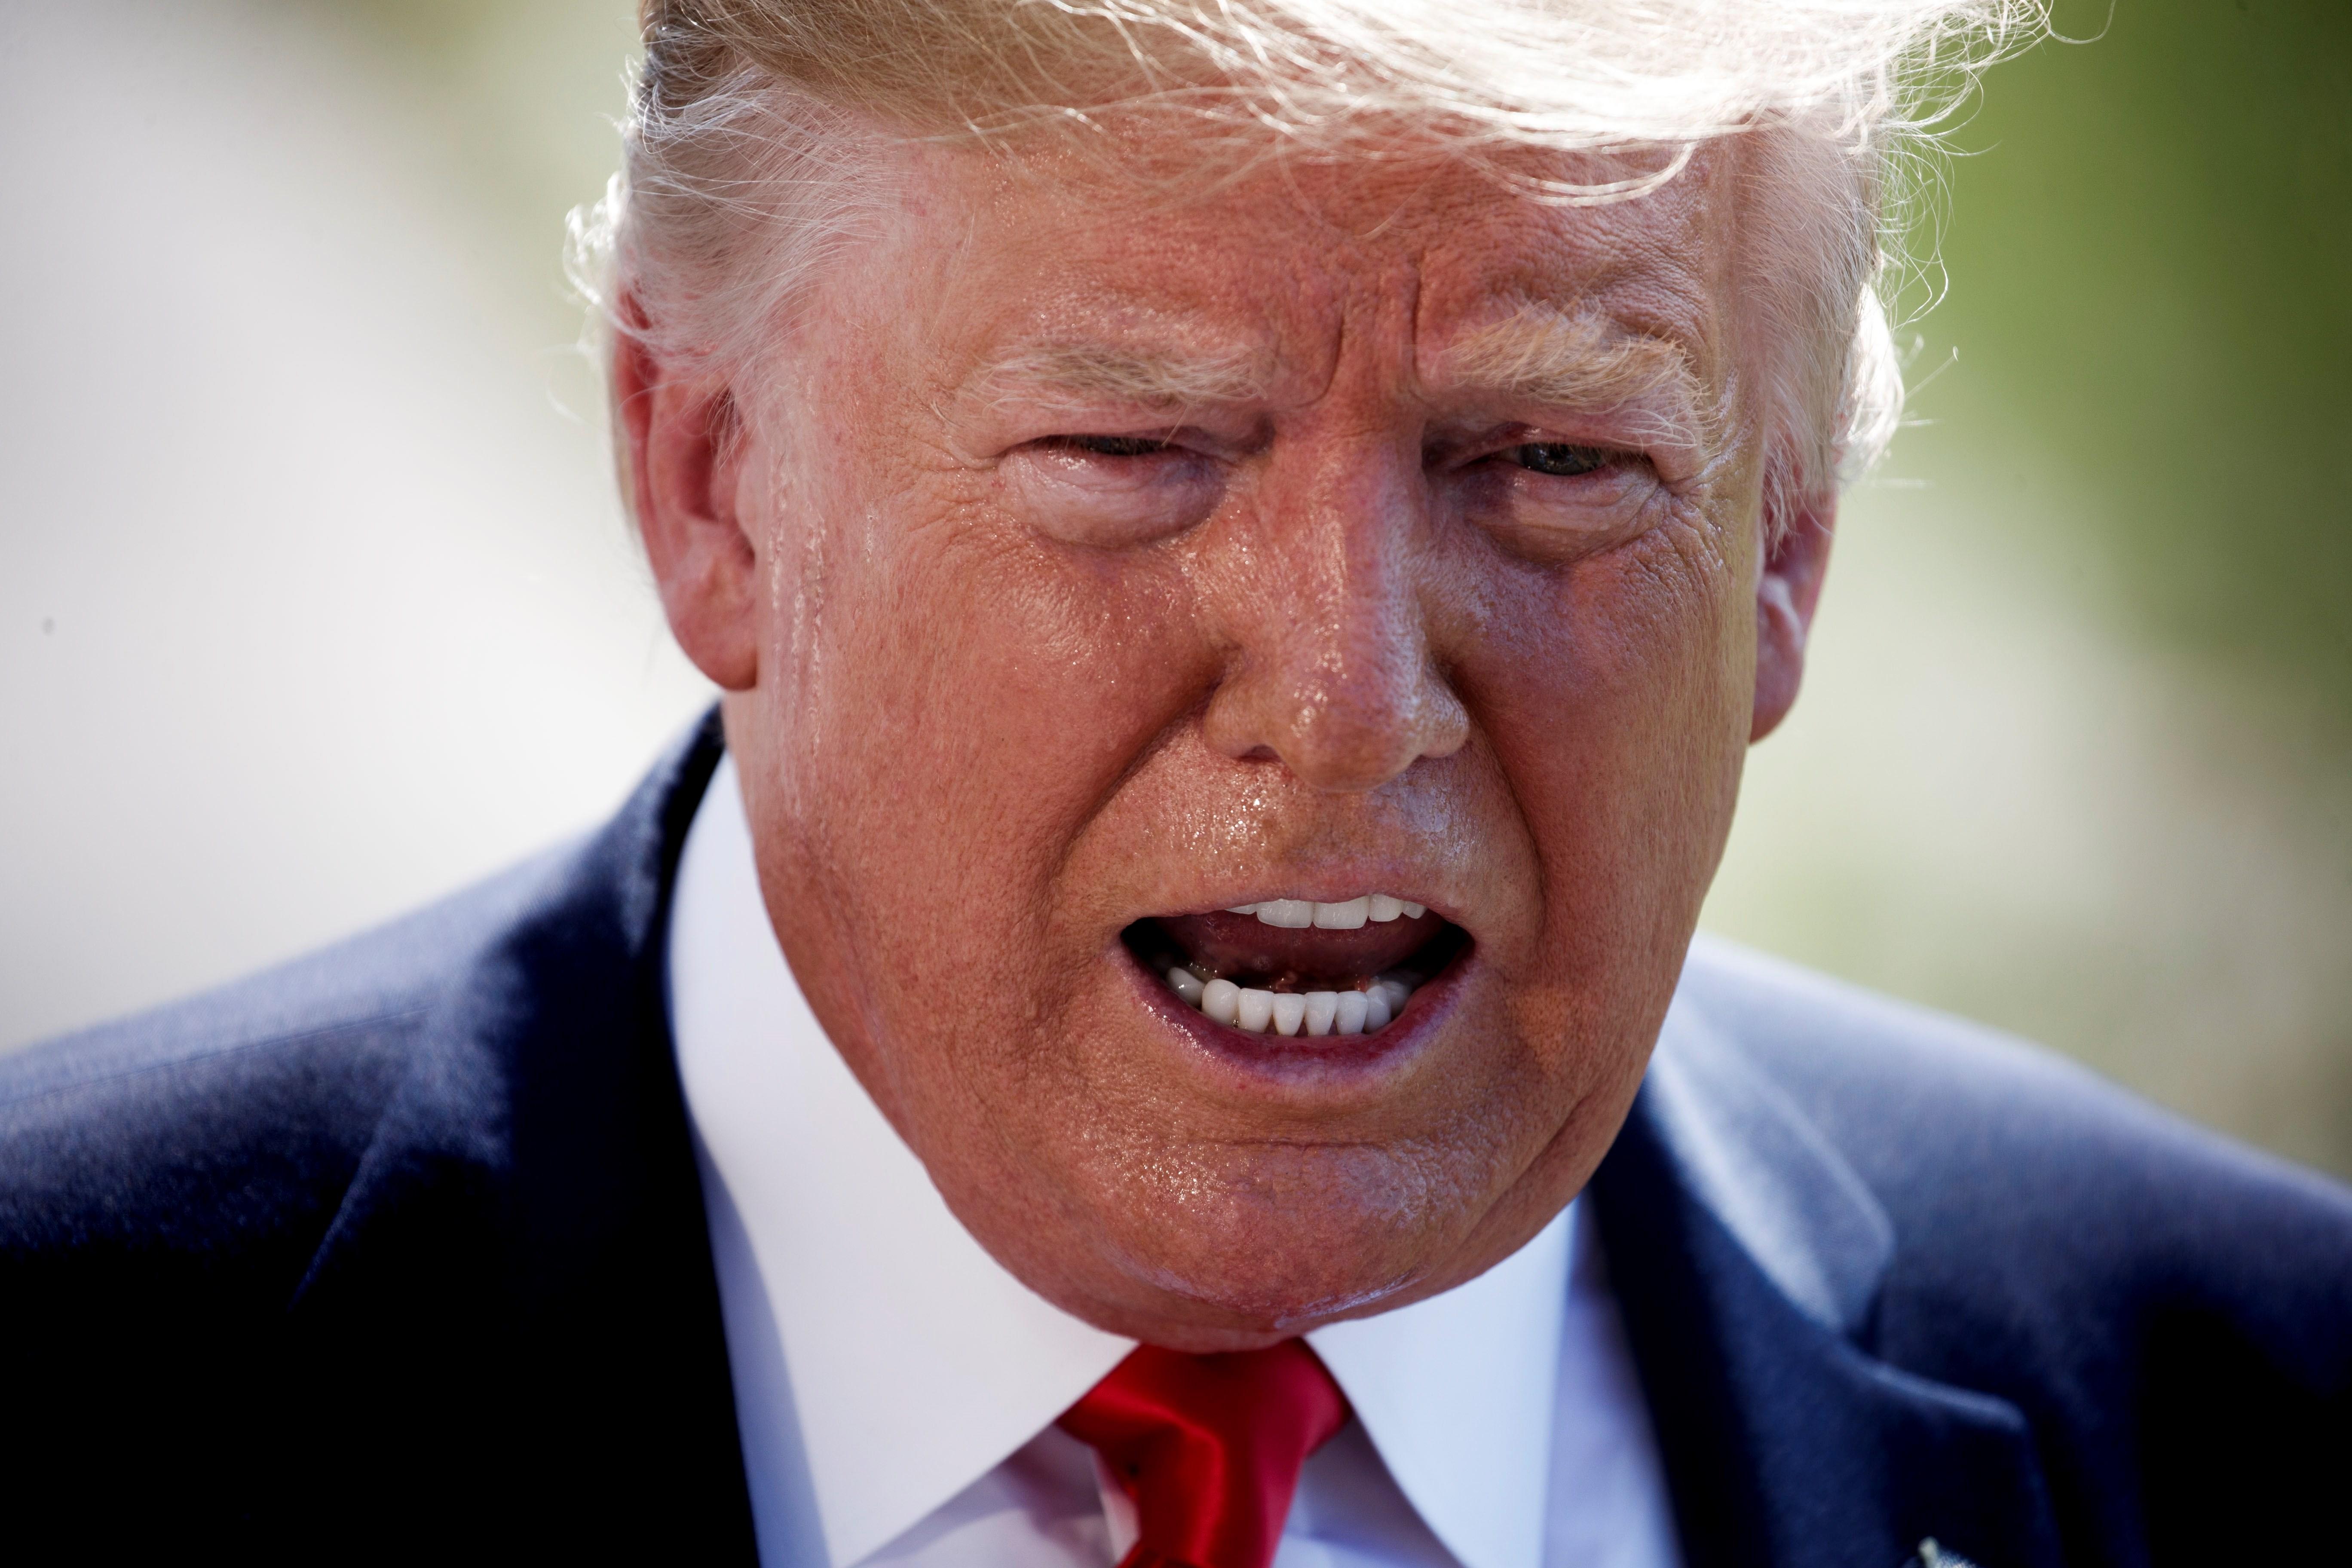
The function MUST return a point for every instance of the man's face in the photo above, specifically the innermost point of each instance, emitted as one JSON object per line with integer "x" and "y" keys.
{"x": 1110, "y": 560}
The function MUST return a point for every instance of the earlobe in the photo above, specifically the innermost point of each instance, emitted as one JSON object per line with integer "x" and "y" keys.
{"x": 1787, "y": 589}
{"x": 682, "y": 459}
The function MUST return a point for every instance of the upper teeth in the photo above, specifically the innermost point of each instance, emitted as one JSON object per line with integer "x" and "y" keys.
{"x": 1298, "y": 914}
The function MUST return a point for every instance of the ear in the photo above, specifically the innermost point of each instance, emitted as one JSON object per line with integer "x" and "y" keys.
{"x": 1786, "y": 592}
{"x": 682, "y": 469}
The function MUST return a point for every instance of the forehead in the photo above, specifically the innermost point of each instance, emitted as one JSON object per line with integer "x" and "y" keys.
{"x": 1298, "y": 258}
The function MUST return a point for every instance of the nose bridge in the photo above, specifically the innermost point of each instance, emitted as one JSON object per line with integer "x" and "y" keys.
{"x": 1354, "y": 621}
{"x": 1334, "y": 672}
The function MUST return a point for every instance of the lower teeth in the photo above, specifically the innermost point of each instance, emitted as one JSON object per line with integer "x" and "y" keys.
{"x": 1360, "y": 1012}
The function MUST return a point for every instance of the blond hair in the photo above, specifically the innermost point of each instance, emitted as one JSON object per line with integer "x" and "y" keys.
{"x": 751, "y": 118}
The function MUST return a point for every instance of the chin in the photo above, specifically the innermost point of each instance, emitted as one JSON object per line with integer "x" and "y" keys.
{"x": 1231, "y": 1248}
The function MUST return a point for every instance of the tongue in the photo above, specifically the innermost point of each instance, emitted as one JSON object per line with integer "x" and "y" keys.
{"x": 1243, "y": 948}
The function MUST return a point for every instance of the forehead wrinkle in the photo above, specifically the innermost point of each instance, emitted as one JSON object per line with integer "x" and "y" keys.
{"x": 1540, "y": 353}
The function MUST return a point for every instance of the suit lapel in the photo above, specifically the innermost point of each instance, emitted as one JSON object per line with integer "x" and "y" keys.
{"x": 1746, "y": 1256}
{"x": 516, "y": 1309}
{"x": 614, "y": 1277}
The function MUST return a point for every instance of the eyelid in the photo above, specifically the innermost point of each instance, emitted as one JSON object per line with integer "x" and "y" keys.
{"x": 1502, "y": 441}
{"x": 1074, "y": 441}
{"x": 1107, "y": 500}
{"x": 1601, "y": 458}
{"x": 1060, "y": 462}
{"x": 1209, "y": 431}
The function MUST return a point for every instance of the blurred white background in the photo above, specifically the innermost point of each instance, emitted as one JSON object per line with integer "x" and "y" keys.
{"x": 316, "y": 601}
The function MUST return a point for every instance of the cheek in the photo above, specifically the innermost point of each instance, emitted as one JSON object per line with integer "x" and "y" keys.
{"x": 1617, "y": 698}
{"x": 982, "y": 692}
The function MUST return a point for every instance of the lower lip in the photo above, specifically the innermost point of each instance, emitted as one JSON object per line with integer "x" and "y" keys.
{"x": 1292, "y": 1056}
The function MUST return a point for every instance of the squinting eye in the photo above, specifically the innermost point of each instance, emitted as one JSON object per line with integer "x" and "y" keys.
{"x": 1114, "y": 445}
{"x": 1556, "y": 457}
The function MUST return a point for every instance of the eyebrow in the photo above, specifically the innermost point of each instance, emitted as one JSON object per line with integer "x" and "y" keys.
{"x": 1153, "y": 379}
{"x": 1546, "y": 355}
{"x": 1538, "y": 354}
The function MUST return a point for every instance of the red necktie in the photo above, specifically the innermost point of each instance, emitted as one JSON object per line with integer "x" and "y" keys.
{"x": 1209, "y": 1447}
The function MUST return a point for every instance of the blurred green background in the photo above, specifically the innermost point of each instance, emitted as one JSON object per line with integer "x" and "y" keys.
{"x": 2089, "y": 625}
{"x": 2075, "y": 754}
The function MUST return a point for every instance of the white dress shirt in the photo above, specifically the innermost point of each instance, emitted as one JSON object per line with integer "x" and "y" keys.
{"x": 896, "y": 1388}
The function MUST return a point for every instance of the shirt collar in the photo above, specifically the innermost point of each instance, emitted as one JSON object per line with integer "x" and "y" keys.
{"x": 915, "y": 1362}
{"x": 1459, "y": 1393}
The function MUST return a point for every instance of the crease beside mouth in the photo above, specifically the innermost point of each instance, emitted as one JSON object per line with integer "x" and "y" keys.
{"x": 1290, "y": 968}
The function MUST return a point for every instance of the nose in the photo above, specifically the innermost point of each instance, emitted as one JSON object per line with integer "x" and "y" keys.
{"x": 1333, "y": 671}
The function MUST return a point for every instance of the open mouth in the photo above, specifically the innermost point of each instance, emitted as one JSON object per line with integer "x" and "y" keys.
{"x": 1291, "y": 966}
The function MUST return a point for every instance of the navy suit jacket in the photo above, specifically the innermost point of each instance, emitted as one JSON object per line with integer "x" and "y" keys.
{"x": 398, "y": 1253}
